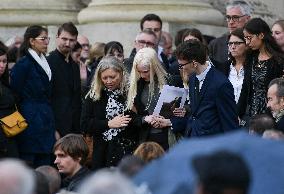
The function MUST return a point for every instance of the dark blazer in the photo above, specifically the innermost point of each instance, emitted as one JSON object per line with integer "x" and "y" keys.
{"x": 225, "y": 68}
{"x": 66, "y": 93}
{"x": 280, "y": 124}
{"x": 218, "y": 49}
{"x": 215, "y": 112}
{"x": 30, "y": 82}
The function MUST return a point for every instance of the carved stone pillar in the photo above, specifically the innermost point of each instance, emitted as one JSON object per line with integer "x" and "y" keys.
{"x": 106, "y": 20}
{"x": 44, "y": 12}
{"x": 16, "y": 15}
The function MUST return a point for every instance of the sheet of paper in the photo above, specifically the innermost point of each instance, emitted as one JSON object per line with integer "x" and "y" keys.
{"x": 169, "y": 94}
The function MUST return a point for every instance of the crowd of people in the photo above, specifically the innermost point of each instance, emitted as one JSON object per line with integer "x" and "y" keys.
{"x": 78, "y": 90}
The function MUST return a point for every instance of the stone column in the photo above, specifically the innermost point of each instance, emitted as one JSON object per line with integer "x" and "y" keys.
{"x": 106, "y": 20}
{"x": 16, "y": 15}
{"x": 44, "y": 12}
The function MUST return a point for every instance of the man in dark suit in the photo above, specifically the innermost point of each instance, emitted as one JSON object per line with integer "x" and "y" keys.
{"x": 213, "y": 108}
{"x": 275, "y": 101}
{"x": 66, "y": 89}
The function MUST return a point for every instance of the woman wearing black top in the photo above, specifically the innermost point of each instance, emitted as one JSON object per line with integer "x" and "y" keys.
{"x": 266, "y": 64}
{"x": 8, "y": 147}
{"x": 114, "y": 131}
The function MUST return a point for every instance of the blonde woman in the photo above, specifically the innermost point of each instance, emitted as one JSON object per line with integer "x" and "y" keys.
{"x": 147, "y": 78}
{"x": 103, "y": 116}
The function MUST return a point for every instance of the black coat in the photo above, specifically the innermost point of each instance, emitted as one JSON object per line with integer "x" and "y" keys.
{"x": 94, "y": 121}
{"x": 73, "y": 183}
{"x": 280, "y": 124}
{"x": 66, "y": 93}
{"x": 8, "y": 147}
{"x": 218, "y": 49}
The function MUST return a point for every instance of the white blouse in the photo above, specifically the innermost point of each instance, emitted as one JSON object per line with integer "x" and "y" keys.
{"x": 237, "y": 81}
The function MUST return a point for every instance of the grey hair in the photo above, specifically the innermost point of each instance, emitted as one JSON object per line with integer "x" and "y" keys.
{"x": 106, "y": 181}
{"x": 146, "y": 31}
{"x": 279, "y": 82}
{"x": 242, "y": 5}
{"x": 16, "y": 177}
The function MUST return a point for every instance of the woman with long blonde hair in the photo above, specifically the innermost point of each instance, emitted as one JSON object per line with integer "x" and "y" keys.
{"x": 104, "y": 117}
{"x": 147, "y": 78}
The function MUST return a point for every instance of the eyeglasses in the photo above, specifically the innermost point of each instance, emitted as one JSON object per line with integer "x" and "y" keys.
{"x": 235, "y": 18}
{"x": 236, "y": 43}
{"x": 154, "y": 29}
{"x": 85, "y": 45}
{"x": 43, "y": 38}
{"x": 249, "y": 38}
{"x": 146, "y": 43}
{"x": 180, "y": 66}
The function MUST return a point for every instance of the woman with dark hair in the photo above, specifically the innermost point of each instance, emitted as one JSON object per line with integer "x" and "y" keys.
{"x": 114, "y": 49}
{"x": 8, "y": 147}
{"x": 31, "y": 81}
{"x": 236, "y": 69}
{"x": 266, "y": 64}
{"x": 193, "y": 34}
{"x": 76, "y": 56}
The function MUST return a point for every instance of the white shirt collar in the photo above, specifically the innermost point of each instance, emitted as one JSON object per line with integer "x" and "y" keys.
{"x": 202, "y": 76}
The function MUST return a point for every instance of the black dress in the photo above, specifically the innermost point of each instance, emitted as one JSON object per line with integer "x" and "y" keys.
{"x": 262, "y": 73}
{"x": 108, "y": 153}
{"x": 146, "y": 107}
{"x": 8, "y": 147}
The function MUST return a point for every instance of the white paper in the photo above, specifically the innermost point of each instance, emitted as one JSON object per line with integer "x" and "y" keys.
{"x": 169, "y": 94}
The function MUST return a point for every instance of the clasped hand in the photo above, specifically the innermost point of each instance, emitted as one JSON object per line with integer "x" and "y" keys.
{"x": 157, "y": 121}
{"x": 119, "y": 121}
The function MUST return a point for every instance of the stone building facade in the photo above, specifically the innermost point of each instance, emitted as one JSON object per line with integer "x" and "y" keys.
{"x": 106, "y": 20}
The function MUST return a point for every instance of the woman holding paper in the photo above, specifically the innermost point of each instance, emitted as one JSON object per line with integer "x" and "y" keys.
{"x": 147, "y": 79}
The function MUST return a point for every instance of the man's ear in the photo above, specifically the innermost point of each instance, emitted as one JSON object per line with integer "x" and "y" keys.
{"x": 282, "y": 101}
{"x": 79, "y": 159}
{"x": 194, "y": 64}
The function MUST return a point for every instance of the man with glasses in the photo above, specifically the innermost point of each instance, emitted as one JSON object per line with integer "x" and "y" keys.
{"x": 145, "y": 38}
{"x": 84, "y": 42}
{"x": 212, "y": 102}
{"x": 154, "y": 23}
{"x": 238, "y": 12}
{"x": 66, "y": 86}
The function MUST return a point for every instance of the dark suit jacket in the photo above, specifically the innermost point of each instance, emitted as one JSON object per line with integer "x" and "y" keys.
{"x": 66, "y": 93}
{"x": 280, "y": 125}
{"x": 215, "y": 112}
{"x": 218, "y": 49}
